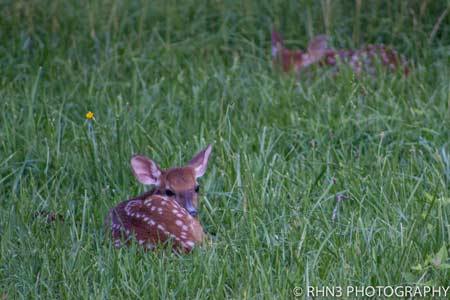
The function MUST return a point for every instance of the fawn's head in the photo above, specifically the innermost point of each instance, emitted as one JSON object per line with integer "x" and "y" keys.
{"x": 298, "y": 59}
{"x": 179, "y": 183}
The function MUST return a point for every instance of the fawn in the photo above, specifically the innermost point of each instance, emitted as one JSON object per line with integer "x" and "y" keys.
{"x": 168, "y": 211}
{"x": 362, "y": 59}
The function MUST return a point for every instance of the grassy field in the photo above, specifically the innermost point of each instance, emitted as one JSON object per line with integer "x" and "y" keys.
{"x": 166, "y": 78}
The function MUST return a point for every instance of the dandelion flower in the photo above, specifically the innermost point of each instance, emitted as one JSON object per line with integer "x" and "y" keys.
{"x": 89, "y": 115}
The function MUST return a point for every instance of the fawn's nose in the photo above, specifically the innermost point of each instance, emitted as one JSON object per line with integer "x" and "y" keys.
{"x": 193, "y": 212}
{"x": 188, "y": 204}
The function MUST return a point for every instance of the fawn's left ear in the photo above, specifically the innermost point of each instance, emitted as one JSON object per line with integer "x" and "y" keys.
{"x": 145, "y": 170}
{"x": 200, "y": 161}
{"x": 277, "y": 42}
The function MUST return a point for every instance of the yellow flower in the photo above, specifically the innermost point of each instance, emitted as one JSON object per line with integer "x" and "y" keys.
{"x": 89, "y": 115}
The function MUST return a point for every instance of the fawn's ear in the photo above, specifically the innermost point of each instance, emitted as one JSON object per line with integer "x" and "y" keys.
{"x": 277, "y": 42}
{"x": 318, "y": 44}
{"x": 145, "y": 170}
{"x": 316, "y": 50}
{"x": 200, "y": 161}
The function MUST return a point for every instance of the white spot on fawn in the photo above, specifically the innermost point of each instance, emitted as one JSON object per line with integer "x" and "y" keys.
{"x": 153, "y": 208}
{"x": 188, "y": 244}
{"x": 384, "y": 57}
{"x": 184, "y": 228}
{"x": 132, "y": 205}
{"x": 179, "y": 223}
{"x": 175, "y": 211}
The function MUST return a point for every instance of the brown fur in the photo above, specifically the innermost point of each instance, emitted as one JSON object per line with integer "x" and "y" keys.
{"x": 166, "y": 212}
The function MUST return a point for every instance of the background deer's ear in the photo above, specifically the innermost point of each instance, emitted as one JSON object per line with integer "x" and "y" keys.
{"x": 316, "y": 50}
{"x": 318, "y": 45}
{"x": 200, "y": 161}
{"x": 277, "y": 42}
{"x": 145, "y": 170}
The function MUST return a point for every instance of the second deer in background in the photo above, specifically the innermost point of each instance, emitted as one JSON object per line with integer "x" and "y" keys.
{"x": 361, "y": 60}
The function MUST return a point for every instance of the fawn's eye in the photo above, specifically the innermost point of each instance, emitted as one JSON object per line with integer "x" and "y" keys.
{"x": 170, "y": 193}
{"x": 197, "y": 188}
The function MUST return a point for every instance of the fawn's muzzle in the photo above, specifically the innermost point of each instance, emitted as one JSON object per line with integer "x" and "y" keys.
{"x": 191, "y": 209}
{"x": 186, "y": 201}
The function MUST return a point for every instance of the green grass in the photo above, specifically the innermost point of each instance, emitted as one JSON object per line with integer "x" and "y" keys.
{"x": 166, "y": 78}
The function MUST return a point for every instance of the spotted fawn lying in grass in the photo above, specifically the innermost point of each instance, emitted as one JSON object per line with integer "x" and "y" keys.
{"x": 167, "y": 212}
{"x": 360, "y": 60}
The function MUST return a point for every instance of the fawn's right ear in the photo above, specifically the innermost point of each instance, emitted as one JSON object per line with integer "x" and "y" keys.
{"x": 145, "y": 170}
{"x": 318, "y": 46}
{"x": 200, "y": 161}
{"x": 316, "y": 50}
